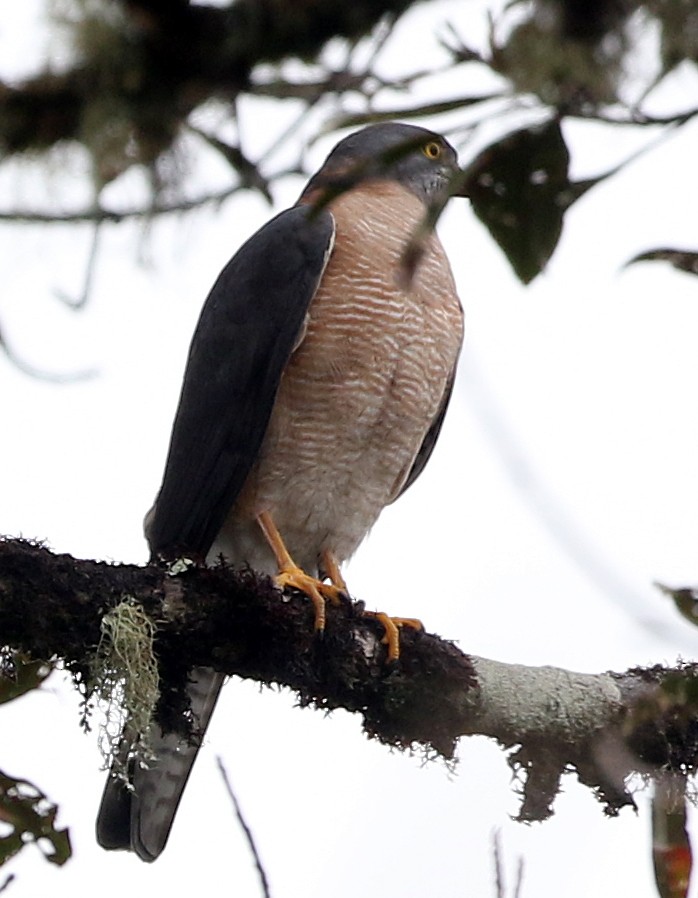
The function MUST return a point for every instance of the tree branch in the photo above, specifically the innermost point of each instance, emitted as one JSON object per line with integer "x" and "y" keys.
{"x": 604, "y": 727}
{"x": 100, "y": 215}
{"x": 161, "y": 60}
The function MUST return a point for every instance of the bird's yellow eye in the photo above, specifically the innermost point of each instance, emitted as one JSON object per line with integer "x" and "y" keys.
{"x": 432, "y": 150}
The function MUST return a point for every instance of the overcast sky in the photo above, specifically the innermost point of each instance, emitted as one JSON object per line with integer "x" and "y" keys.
{"x": 562, "y": 487}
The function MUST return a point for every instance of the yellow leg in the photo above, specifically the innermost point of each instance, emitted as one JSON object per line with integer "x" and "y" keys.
{"x": 295, "y": 577}
{"x": 392, "y": 625}
{"x": 330, "y": 566}
{"x": 318, "y": 592}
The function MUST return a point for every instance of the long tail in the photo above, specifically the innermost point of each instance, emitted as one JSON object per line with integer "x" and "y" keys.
{"x": 139, "y": 817}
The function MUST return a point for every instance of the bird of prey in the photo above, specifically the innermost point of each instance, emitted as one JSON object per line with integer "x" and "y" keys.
{"x": 315, "y": 388}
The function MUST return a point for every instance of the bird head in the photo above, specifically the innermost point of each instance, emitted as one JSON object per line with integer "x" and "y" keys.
{"x": 421, "y": 160}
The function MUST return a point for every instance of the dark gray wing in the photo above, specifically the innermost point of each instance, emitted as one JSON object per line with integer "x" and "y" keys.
{"x": 247, "y": 330}
{"x": 429, "y": 441}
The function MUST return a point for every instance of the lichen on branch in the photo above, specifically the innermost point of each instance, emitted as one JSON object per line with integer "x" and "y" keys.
{"x": 604, "y": 727}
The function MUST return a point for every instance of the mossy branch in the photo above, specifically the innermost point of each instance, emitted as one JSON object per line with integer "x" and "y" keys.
{"x": 604, "y": 727}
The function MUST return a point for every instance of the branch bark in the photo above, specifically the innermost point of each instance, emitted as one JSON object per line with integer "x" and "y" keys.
{"x": 604, "y": 727}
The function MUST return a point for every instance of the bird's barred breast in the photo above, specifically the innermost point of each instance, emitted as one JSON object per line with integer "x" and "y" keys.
{"x": 364, "y": 385}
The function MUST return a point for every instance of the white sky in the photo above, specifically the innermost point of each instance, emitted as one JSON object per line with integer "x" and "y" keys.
{"x": 539, "y": 547}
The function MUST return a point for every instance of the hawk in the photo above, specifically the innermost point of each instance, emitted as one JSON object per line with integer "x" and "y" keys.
{"x": 316, "y": 385}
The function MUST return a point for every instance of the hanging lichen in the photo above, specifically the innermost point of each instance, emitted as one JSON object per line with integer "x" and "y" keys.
{"x": 126, "y": 683}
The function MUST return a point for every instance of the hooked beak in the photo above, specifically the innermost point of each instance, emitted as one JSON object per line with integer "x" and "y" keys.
{"x": 459, "y": 184}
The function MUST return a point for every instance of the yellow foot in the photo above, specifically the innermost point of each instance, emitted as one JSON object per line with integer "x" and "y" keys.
{"x": 392, "y": 625}
{"x": 317, "y": 591}
{"x": 290, "y": 575}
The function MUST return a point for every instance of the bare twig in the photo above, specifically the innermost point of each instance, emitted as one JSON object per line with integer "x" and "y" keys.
{"x": 519, "y": 878}
{"x": 264, "y": 882}
{"x": 285, "y": 135}
{"x": 498, "y": 866}
{"x": 637, "y": 118}
{"x": 428, "y": 109}
{"x": 250, "y": 175}
{"x": 499, "y": 869}
{"x": 37, "y": 373}
{"x": 79, "y": 302}
{"x": 99, "y": 215}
